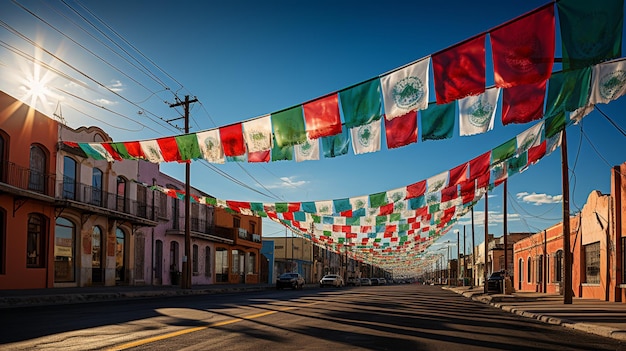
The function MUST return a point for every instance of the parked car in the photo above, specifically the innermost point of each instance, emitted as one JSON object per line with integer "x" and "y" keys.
{"x": 354, "y": 281}
{"x": 495, "y": 281}
{"x": 374, "y": 281}
{"x": 332, "y": 280}
{"x": 382, "y": 281}
{"x": 366, "y": 281}
{"x": 290, "y": 280}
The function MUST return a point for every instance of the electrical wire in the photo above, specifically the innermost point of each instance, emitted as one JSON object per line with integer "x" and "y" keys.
{"x": 611, "y": 121}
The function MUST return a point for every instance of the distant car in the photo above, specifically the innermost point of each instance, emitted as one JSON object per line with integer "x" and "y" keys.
{"x": 354, "y": 281}
{"x": 366, "y": 281}
{"x": 494, "y": 282}
{"x": 332, "y": 280}
{"x": 374, "y": 281}
{"x": 382, "y": 281}
{"x": 290, "y": 280}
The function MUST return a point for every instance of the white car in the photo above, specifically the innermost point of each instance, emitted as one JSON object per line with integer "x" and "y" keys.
{"x": 332, "y": 280}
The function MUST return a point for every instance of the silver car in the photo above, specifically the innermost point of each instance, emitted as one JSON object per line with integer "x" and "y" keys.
{"x": 332, "y": 280}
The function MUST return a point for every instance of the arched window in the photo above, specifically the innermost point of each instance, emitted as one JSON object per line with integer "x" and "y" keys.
{"x": 37, "y": 174}
{"x": 175, "y": 210}
{"x": 121, "y": 194}
{"x": 64, "y": 250}
{"x": 120, "y": 255}
{"x": 174, "y": 267}
{"x": 207, "y": 261}
{"x": 69, "y": 178}
{"x": 194, "y": 259}
{"x": 529, "y": 271}
{"x": 96, "y": 187}
{"x": 539, "y": 269}
{"x": 558, "y": 266}
{"x": 520, "y": 268}
{"x": 96, "y": 255}
{"x": 36, "y": 241}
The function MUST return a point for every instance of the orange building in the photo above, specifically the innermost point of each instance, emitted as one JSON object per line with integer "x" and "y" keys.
{"x": 598, "y": 243}
{"x": 239, "y": 262}
{"x": 28, "y": 141}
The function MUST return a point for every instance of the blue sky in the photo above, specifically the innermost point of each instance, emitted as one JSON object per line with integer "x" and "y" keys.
{"x": 245, "y": 59}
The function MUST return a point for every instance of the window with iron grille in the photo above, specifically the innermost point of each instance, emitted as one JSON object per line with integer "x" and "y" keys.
{"x": 592, "y": 263}
{"x": 623, "y": 260}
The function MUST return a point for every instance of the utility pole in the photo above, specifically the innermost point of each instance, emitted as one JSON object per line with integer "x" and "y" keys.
{"x": 473, "y": 251}
{"x": 486, "y": 243}
{"x": 464, "y": 258}
{"x": 567, "y": 259}
{"x": 186, "y": 283}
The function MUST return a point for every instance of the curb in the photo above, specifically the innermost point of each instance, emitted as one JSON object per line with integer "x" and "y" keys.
{"x": 608, "y": 332}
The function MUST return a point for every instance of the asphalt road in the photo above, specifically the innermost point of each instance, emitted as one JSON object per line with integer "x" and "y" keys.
{"x": 392, "y": 317}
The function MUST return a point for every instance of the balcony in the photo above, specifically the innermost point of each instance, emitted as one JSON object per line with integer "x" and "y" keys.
{"x": 94, "y": 200}
{"x": 25, "y": 182}
{"x": 202, "y": 229}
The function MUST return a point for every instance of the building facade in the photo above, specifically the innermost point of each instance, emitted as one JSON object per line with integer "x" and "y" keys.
{"x": 598, "y": 244}
{"x": 28, "y": 154}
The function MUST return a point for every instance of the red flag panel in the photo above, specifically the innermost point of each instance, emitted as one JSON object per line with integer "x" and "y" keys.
{"x": 460, "y": 70}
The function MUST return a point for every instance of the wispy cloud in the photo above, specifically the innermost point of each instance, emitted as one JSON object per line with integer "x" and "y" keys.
{"x": 116, "y": 86}
{"x": 289, "y": 182}
{"x": 494, "y": 217}
{"x": 539, "y": 199}
{"x": 105, "y": 102}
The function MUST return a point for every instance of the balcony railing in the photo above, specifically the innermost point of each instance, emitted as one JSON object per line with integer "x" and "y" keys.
{"x": 26, "y": 178}
{"x": 90, "y": 195}
{"x": 201, "y": 226}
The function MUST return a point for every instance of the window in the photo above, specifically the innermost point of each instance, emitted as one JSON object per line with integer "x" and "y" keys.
{"x": 592, "y": 263}
{"x": 251, "y": 263}
{"x": 96, "y": 255}
{"x": 558, "y": 266}
{"x": 69, "y": 178}
{"x": 529, "y": 270}
{"x": 36, "y": 178}
{"x": 96, "y": 187}
{"x": 35, "y": 241}
{"x": 623, "y": 259}
{"x": 547, "y": 268}
{"x": 64, "y": 253}
{"x": 162, "y": 205}
{"x": 194, "y": 259}
{"x": 175, "y": 212}
{"x": 252, "y": 227}
{"x": 3, "y": 235}
{"x": 235, "y": 266}
{"x": 520, "y": 268}
{"x": 3, "y": 155}
{"x": 207, "y": 261}
{"x": 120, "y": 263}
{"x": 121, "y": 194}
{"x": 174, "y": 257}
{"x": 539, "y": 269}
{"x": 221, "y": 265}
{"x": 236, "y": 222}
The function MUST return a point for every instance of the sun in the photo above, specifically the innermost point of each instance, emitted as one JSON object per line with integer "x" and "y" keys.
{"x": 36, "y": 89}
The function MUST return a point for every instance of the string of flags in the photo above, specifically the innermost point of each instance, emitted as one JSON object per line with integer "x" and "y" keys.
{"x": 406, "y": 220}
{"x": 388, "y": 106}
{"x": 393, "y": 228}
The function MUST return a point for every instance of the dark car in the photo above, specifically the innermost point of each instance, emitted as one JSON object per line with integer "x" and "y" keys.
{"x": 290, "y": 280}
{"x": 495, "y": 281}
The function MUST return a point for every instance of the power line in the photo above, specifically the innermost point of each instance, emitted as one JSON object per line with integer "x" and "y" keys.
{"x": 611, "y": 121}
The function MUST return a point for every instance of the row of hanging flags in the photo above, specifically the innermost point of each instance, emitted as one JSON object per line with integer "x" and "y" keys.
{"x": 395, "y": 226}
{"x": 522, "y": 54}
{"x": 390, "y": 227}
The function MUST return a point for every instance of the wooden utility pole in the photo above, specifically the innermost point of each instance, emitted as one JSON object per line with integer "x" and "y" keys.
{"x": 505, "y": 230}
{"x": 473, "y": 251}
{"x": 567, "y": 258}
{"x": 486, "y": 288}
{"x": 186, "y": 283}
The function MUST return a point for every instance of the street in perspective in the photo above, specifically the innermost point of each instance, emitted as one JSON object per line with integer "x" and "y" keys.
{"x": 385, "y": 317}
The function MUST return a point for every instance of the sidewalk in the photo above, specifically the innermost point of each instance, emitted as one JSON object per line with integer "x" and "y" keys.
{"x": 598, "y": 317}
{"x": 42, "y": 297}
